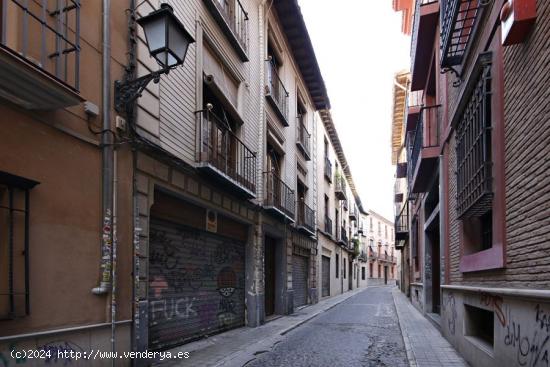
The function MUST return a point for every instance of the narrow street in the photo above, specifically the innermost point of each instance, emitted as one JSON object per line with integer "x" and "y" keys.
{"x": 361, "y": 331}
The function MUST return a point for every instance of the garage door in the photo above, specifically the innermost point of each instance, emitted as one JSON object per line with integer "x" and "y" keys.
{"x": 196, "y": 284}
{"x": 299, "y": 280}
{"x": 325, "y": 276}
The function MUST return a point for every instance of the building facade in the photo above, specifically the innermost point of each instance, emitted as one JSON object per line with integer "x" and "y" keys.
{"x": 190, "y": 209}
{"x": 60, "y": 211}
{"x": 340, "y": 211}
{"x": 381, "y": 254}
{"x": 472, "y": 230}
{"x": 232, "y": 198}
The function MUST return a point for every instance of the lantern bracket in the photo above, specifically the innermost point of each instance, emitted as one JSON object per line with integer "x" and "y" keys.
{"x": 126, "y": 92}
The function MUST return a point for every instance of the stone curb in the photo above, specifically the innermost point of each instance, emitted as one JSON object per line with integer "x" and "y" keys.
{"x": 408, "y": 349}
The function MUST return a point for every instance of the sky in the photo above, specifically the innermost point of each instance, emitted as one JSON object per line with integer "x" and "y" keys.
{"x": 359, "y": 47}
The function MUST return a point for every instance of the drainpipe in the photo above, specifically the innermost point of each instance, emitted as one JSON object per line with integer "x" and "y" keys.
{"x": 114, "y": 256}
{"x": 107, "y": 160}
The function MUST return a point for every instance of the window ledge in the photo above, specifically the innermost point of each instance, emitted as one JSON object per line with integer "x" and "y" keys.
{"x": 489, "y": 259}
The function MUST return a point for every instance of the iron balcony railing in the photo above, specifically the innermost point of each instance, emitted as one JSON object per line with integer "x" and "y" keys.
{"x": 328, "y": 169}
{"x": 328, "y": 225}
{"x": 278, "y": 194}
{"x": 345, "y": 205}
{"x": 343, "y": 235}
{"x": 402, "y": 220}
{"x": 46, "y": 36}
{"x": 223, "y": 150}
{"x": 277, "y": 90}
{"x": 340, "y": 187}
{"x": 426, "y": 135}
{"x": 303, "y": 138}
{"x": 236, "y": 17}
{"x": 363, "y": 256}
{"x": 457, "y": 24}
{"x": 306, "y": 216}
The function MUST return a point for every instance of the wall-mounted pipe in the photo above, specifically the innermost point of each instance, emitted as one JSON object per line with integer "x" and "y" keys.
{"x": 107, "y": 158}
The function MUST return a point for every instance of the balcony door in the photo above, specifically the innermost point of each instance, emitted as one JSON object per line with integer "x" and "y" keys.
{"x": 301, "y": 191}
{"x": 221, "y": 144}
{"x": 273, "y": 181}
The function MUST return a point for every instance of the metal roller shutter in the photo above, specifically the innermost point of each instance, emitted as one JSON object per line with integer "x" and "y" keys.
{"x": 299, "y": 279}
{"x": 325, "y": 274}
{"x": 196, "y": 284}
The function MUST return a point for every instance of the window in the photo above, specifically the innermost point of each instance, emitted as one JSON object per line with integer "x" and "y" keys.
{"x": 362, "y": 273}
{"x": 479, "y": 326}
{"x": 370, "y": 224}
{"x": 379, "y": 230}
{"x": 473, "y": 147}
{"x": 480, "y": 171}
{"x": 386, "y": 231}
{"x": 337, "y": 267}
{"x": 14, "y": 245}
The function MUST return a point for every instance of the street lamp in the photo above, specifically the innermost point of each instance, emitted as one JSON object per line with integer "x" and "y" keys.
{"x": 167, "y": 41}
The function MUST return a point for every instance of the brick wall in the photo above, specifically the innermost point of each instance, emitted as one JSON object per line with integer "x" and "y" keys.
{"x": 527, "y": 165}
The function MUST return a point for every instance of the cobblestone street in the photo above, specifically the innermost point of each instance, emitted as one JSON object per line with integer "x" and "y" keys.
{"x": 361, "y": 331}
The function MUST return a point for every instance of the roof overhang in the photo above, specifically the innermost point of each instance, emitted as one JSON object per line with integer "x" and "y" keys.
{"x": 294, "y": 27}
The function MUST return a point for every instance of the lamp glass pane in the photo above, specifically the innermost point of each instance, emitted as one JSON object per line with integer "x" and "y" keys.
{"x": 162, "y": 58}
{"x": 178, "y": 43}
{"x": 155, "y": 32}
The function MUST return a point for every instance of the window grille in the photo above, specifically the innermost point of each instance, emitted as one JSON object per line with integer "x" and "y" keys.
{"x": 14, "y": 245}
{"x": 473, "y": 145}
{"x": 457, "y": 24}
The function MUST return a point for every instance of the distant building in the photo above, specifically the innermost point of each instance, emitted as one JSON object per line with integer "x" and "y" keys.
{"x": 381, "y": 254}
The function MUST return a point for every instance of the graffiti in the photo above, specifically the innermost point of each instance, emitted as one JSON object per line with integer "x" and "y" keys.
{"x": 227, "y": 282}
{"x": 530, "y": 352}
{"x": 542, "y": 318}
{"x": 494, "y": 302}
{"x": 449, "y": 305}
{"x": 169, "y": 309}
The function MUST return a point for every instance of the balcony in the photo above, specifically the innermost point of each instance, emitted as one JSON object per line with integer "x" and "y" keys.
{"x": 345, "y": 205}
{"x": 402, "y": 225}
{"x": 415, "y": 100}
{"x": 373, "y": 255}
{"x": 423, "y": 150}
{"x": 279, "y": 198}
{"x": 305, "y": 219}
{"x": 343, "y": 237}
{"x": 401, "y": 170}
{"x": 40, "y": 54}
{"x": 363, "y": 256}
{"x": 354, "y": 212}
{"x": 328, "y": 169}
{"x": 458, "y": 19}
{"x": 426, "y": 16}
{"x": 303, "y": 138}
{"x": 340, "y": 187}
{"x": 328, "y": 225}
{"x": 276, "y": 93}
{"x": 224, "y": 157}
{"x": 233, "y": 20}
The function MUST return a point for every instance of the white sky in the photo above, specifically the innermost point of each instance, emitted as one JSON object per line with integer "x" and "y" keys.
{"x": 359, "y": 46}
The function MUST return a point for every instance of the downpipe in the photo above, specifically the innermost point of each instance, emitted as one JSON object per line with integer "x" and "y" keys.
{"x": 107, "y": 160}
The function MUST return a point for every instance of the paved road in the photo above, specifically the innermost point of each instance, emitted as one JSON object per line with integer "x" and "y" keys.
{"x": 361, "y": 331}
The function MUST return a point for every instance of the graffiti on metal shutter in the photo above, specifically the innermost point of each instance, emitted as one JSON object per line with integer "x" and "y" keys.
{"x": 196, "y": 284}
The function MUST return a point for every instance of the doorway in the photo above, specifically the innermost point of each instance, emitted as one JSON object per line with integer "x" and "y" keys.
{"x": 433, "y": 238}
{"x": 385, "y": 275}
{"x": 350, "y": 275}
{"x": 270, "y": 273}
